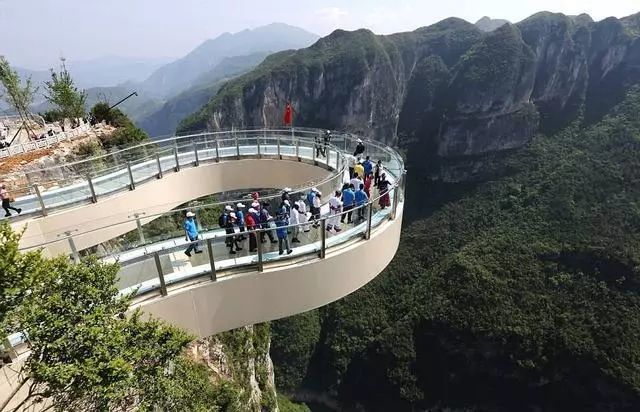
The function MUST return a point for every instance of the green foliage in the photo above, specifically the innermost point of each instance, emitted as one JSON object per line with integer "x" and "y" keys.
{"x": 190, "y": 387}
{"x": 86, "y": 354}
{"x": 17, "y": 94}
{"x": 293, "y": 342}
{"x": 285, "y": 405}
{"x": 522, "y": 293}
{"x": 61, "y": 92}
{"x": 87, "y": 149}
{"x": 51, "y": 116}
{"x": 114, "y": 117}
{"x": 125, "y": 136}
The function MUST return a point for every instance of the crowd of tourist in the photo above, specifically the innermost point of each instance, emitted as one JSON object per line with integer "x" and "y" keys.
{"x": 303, "y": 213}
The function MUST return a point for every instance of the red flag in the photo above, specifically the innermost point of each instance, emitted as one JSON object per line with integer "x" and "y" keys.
{"x": 288, "y": 114}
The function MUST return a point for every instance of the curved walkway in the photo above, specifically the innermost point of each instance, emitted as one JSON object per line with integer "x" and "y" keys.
{"x": 244, "y": 288}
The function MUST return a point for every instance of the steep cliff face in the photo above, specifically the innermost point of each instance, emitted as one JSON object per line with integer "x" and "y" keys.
{"x": 448, "y": 92}
{"x": 241, "y": 358}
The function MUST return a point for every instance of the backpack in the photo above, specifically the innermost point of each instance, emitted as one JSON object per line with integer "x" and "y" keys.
{"x": 310, "y": 197}
{"x": 222, "y": 220}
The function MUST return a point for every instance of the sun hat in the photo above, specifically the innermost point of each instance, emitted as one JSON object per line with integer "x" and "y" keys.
{"x": 191, "y": 214}
{"x": 228, "y": 208}
{"x": 255, "y": 204}
{"x": 287, "y": 189}
{"x": 232, "y": 215}
{"x": 240, "y": 206}
{"x": 286, "y": 202}
{"x": 252, "y": 210}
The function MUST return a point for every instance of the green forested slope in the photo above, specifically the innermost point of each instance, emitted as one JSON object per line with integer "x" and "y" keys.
{"x": 522, "y": 294}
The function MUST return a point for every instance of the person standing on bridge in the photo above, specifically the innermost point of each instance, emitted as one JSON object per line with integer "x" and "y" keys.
{"x": 335, "y": 208}
{"x": 230, "y": 229}
{"x": 359, "y": 148}
{"x": 252, "y": 225}
{"x": 6, "y": 201}
{"x": 241, "y": 220}
{"x": 302, "y": 210}
{"x": 192, "y": 234}
{"x": 383, "y": 188}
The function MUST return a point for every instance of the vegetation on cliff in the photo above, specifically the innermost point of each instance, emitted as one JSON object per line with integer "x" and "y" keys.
{"x": 524, "y": 293}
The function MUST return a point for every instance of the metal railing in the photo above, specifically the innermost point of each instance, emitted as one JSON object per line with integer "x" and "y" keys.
{"x": 132, "y": 166}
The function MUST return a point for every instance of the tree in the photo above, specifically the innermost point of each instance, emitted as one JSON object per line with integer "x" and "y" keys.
{"x": 61, "y": 91}
{"x": 86, "y": 354}
{"x": 16, "y": 94}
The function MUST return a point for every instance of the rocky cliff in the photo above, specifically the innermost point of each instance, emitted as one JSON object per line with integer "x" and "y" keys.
{"x": 240, "y": 358}
{"x": 449, "y": 92}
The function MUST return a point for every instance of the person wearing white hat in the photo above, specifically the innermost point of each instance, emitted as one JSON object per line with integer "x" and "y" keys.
{"x": 241, "y": 223}
{"x": 327, "y": 140}
{"x": 251, "y": 220}
{"x": 232, "y": 241}
{"x": 335, "y": 208}
{"x": 302, "y": 211}
{"x": 191, "y": 231}
{"x": 359, "y": 148}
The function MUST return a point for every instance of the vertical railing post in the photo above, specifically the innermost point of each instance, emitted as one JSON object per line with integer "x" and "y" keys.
{"x": 132, "y": 183}
{"x": 237, "y": 145}
{"x": 367, "y": 234}
{"x": 43, "y": 209}
{"x": 139, "y": 226}
{"x": 92, "y": 190}
{"x": 177, "y": 158}
{"x": 195, "y": 153}
{"x": 278, "y": 142}
{"x": 159, "y": 176}
{"x": 260, "y": 247}
{"x": 163, "y": 285}
{"x": 396, "y": 196}
{"x": 298, "y": 150}
{"x": 212, "y": 262}
{"x": 323, "y": 238}
{"x": 72, "y": 245}
{"x": 217, "y": 149}
{"x": 258, "y": 143}
{"x": 314, "y": 149}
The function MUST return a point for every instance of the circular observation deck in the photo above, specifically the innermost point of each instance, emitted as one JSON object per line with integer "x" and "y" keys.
{"x": 122, "y": 207}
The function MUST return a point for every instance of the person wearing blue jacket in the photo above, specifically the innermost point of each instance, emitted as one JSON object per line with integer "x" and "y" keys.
{"x": 191, "y": 231}
{"x": 361, "y": 200}
{"x": 368, "y": 167}
{"x": 282, "y": 221}
{"x": 240, "y": 216}
{"x": 348, "y": 203}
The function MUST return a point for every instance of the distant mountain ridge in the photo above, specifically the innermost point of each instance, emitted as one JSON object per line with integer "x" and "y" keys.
{"x": 182, "y": 74}
{"x": 488, "y": 24}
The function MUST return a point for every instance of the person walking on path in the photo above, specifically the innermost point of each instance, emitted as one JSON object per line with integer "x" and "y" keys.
{"x": 6, "y": 201}
{"x": 361, "y": 200}
{"x": 265, "y": 222}
{"x": 232, "y": 241}
{"x": 359, "y": 148}
{"x": 294, "y": 221}
{"x": 348, "y": 203}
{"x": 335, "y": 208}
{"x": 241, "y": 220}
{"x": 359, "y": 169}
{"x": 250, "y": 221}
{"x": 356, "y": 182}
{"x": 302, "y": 211}
{"x": 368, "y": 166}
{"x": 326, "y": 140}
{"x": 378, "y": 172}
{"x": 192, "y": 234}
{"x": 351, "y": 163}
{"x": 281, "y": 230}
{"x": 367, "y": 185}
{"x": 383, "y": 189}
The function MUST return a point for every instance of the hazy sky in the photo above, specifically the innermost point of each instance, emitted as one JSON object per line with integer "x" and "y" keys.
{"x": 34, "y": 33}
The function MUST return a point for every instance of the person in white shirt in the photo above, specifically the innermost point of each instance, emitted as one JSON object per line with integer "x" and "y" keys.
{"x": 294, "y": 220}
{"x": 356, "y": 181}
{"x": 6, "y": 201}
{"x": 317, "y": 205}
{"x": 302, "y": 211}
{"x": 351, "y": 163}
{"x": 335, "y": 208}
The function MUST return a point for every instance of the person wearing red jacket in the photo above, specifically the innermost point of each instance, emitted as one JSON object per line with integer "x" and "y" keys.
{"x": 251, "y": 224}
